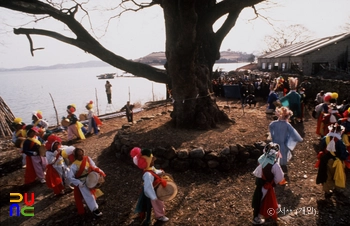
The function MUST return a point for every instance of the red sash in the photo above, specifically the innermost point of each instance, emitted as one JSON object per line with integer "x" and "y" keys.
{"x": 53, "y": 179}
{"x": 97, "y": 120}
{"x": 82, "y": 167}
{"x": 157, "y": 179}
{"x": 77, "y": 194}
{"x": 30, "y": 174}
{"x": 91, "y": 168}
{"x": 269, "y": 202}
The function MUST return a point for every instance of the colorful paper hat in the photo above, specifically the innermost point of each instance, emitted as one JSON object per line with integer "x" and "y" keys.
{"x": 51, "y": 140}
{"x": 283, "y": 113}
{"x": 330, "y": 97}
{"x": 293, "y": 83}
{"x": 32, "y": 128}
{"x": 271, "y": 153}
{"x": 89, "y": 105}
{"x": 141, "y": 158}
{"x": 71, "y": 108}
{"x": 18, "y": 121}
{"x": 38, "y": 114}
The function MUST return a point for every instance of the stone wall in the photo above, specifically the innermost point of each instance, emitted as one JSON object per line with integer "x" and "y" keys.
{"x": 328, "y": 85}
{"x": 194, "y": 158}
{"x": 199, "y": 158}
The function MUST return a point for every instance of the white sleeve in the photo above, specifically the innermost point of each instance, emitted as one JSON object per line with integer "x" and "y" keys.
{"x": 50, "y": 157}
{"x": 148, "y": 186}
{"x": 277, "y": 172}
{"x": 71, "y": 175}
{"x": 90, "y": 114}
{"x": 69, "y": 149}
{"x": 92, "y": 163}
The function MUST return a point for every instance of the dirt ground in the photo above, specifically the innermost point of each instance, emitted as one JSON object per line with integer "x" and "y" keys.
{"x": 209, "y": 197}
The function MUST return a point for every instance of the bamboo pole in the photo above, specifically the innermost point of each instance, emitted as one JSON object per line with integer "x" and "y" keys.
{"x": 98, "y": 111}
{"x": 54, "y": 107}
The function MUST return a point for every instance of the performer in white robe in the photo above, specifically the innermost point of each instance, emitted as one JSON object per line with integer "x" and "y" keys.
{"x": 268, "y": 175}
{"x": 79, "y": 170}
{"x": 56, "y": 174}
{"x": 144, "y": 159}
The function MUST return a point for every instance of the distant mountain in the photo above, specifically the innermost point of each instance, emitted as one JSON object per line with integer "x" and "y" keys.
{"x": 60, "y": 66}
{"x": 156, "y": 58}
{"x": 226, "y": 57}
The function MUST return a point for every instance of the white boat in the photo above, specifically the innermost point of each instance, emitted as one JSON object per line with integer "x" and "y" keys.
{"x": 106, "y": 76}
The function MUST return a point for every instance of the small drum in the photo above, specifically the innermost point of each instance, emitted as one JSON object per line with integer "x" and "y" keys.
{"x": 65, "y": 122}
{"x": 19, "y": 142}
{"x": 94, "y": 180}
{"x": 168, "y": 192}
{"x": 83, "y": 117}
{"x": 42, "y": 151}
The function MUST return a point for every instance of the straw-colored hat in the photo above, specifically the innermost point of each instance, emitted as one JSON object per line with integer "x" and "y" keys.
{"x": 283, "y": 113}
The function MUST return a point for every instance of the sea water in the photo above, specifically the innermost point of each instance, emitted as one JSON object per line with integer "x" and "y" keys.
{"x": 51, "y": 91}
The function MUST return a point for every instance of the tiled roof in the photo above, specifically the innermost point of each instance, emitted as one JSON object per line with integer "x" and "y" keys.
{"x": 303, "y": 48}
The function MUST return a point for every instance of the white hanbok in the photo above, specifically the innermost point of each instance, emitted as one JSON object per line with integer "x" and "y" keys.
{"x": 80, "y": 183}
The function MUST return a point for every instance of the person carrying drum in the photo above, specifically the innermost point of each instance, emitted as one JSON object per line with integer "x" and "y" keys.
{"x": 56, "y": 169}
{"x": 79, "y": 171}
{"x": 144, "y": 159}
{"x": 36, "y": 162}
{"x": 75, "y": 128}
{"x": 38, "y": 121}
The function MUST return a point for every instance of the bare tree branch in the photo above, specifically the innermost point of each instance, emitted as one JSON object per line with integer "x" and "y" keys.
{"x": 83, "y": 41}
{"x": 31, "y": 45}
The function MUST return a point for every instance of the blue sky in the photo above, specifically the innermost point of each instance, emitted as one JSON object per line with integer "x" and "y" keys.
{"x": 137, "y": 34}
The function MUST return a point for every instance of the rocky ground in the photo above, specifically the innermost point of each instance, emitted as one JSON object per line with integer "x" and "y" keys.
{"x": 206, "y": 197}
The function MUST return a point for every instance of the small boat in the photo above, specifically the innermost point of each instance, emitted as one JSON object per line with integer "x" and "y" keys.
{"x": 106, "y": 76}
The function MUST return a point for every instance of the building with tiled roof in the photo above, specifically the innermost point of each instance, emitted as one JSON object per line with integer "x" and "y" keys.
{"x": 310, "y": 57}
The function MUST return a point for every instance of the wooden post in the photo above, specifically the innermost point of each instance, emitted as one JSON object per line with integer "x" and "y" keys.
{"x": 98, "y": 111}
{"x": 54, "y": 107}
{"x": 129, "y": 93}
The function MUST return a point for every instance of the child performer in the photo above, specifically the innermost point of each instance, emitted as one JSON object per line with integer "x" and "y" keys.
{"x": 38, "y": 120}
{"x": 56, "y": 169}
{"x": 331, "y": 173}
{"x": 36, "y": 164}
{"x": 268, "y": 174}
{"x": 75, "y": 127}
{"x": 144, "y": 160}
{"x": 79, "y": 170}
{"x": 93, "y": 120}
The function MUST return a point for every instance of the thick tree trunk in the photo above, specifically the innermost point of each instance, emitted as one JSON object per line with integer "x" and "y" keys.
{"x": 191, "y": 50}
{"x": 189, "y": 65}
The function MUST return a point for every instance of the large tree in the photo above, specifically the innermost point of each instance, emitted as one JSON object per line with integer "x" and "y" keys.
{"x": 192, "y": 47}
